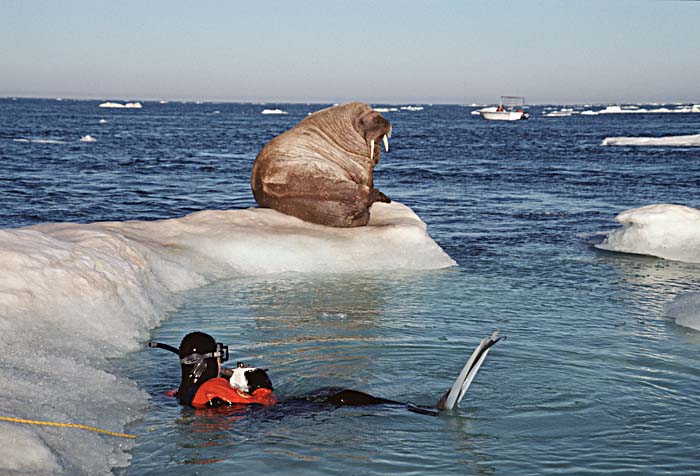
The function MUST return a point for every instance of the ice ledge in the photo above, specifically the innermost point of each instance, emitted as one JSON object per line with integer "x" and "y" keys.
{"x": 256, "y": 241}
{"x": 219, "y": 244}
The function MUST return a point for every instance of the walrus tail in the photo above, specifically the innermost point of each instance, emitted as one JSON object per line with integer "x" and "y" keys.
{"x": 455, "y": 394}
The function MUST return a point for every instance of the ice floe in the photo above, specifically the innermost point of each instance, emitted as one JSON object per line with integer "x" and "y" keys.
{"x": 560, "y": 113}
{"x": 88, "y": 138}
{"x": 692, "y": 140}
{"x": 40, "y": 141}
{"x": 117, "y": 105}
{"x": 620, "y": 109}
{"x": 635, "y": 109}
{"x": 484, "y": 109}
{"x": 664, "y": 230}
{"x": 273, "y": 111}
{"x": 73, "y": 295}
{"x": 684, "y": 309}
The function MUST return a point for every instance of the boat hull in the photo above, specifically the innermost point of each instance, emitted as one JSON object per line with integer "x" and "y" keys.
{"x": 502, "y": 115}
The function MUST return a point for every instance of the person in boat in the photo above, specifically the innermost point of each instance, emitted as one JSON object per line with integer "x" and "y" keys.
{"x": 205, "y": 384}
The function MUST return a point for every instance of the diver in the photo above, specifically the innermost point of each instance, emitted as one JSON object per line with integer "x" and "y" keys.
{"x": 202, "y": 384}
{"x": 205, "y": 384}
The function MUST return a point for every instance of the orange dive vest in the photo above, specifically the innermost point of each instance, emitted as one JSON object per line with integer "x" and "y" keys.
{"x": 221, "y": 388}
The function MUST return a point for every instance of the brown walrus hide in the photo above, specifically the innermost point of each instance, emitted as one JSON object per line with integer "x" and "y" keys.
{"x": 322, "y": 169}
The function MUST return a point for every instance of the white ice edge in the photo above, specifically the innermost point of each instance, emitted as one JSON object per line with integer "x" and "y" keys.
{"x": 73, "y": 294}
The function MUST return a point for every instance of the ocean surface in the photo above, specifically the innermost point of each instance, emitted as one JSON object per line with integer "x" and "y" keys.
{"x": 594, "y": 377}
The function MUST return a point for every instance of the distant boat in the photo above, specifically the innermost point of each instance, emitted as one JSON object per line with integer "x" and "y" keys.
{"x": 510, "y": 108}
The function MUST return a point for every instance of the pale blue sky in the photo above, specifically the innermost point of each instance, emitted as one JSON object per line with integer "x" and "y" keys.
{"x": 329, "y": 51}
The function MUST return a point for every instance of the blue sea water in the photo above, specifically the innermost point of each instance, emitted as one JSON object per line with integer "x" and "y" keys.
{"x": 593, "y": 377}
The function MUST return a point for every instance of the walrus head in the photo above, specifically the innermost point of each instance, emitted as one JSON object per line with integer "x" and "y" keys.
{"x": 373, "y": 126}
{"x": 322, "y": 169}
{"x": 340, "y": 121}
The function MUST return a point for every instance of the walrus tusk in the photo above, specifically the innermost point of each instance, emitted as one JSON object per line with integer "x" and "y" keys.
{"x": 386, "y": 143}
{"x": 371, "y": 150}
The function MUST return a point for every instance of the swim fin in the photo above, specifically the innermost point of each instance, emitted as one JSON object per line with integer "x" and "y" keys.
{"x": 455, "y": 394}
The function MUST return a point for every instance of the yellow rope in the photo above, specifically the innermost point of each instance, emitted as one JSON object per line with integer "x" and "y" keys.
{"x": 68, "y": 425}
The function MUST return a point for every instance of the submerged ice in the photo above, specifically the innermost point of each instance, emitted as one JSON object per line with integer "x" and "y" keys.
{"x": 74, "y": 295}
{"x": 666, "y": 231}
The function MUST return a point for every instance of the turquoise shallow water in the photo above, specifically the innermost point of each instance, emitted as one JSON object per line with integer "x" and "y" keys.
{"x": 593, "y": 377}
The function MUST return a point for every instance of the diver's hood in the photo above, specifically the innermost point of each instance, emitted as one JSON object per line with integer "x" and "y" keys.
{"x": 243, "y": 377}
{"x": 198, "y": 361}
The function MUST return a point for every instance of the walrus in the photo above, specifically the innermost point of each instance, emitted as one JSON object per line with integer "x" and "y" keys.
{"x": 322, "y": 169}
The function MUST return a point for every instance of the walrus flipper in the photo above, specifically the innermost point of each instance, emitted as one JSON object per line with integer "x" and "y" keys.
{"x": 455, "y": 394}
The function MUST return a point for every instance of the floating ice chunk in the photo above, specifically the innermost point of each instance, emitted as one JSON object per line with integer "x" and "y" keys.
{"x": 103, "y": 121}
{"x": 40, "y": 141}
{"x": 562, "y": 113}
{"x": 588, "y": 112}
{"x": 622, "y": 110}
{"x": 663, "y": 230}
{"x": 88, "y": 138}
{"x": 692, "y": 140}
{"x": 385, "y": 109}
{"x": 93, "y": 291}
{"x": 273, "y": 111}
{"x": 116, "y": 105}
{"x": 484, "y": 109}
{"x": 685, "y": 310}
{"x": 411, "y": 108}
{"x": 640, "y": 110}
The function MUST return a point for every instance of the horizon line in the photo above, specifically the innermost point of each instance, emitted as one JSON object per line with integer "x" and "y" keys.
{"x": 320, "y": 101}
